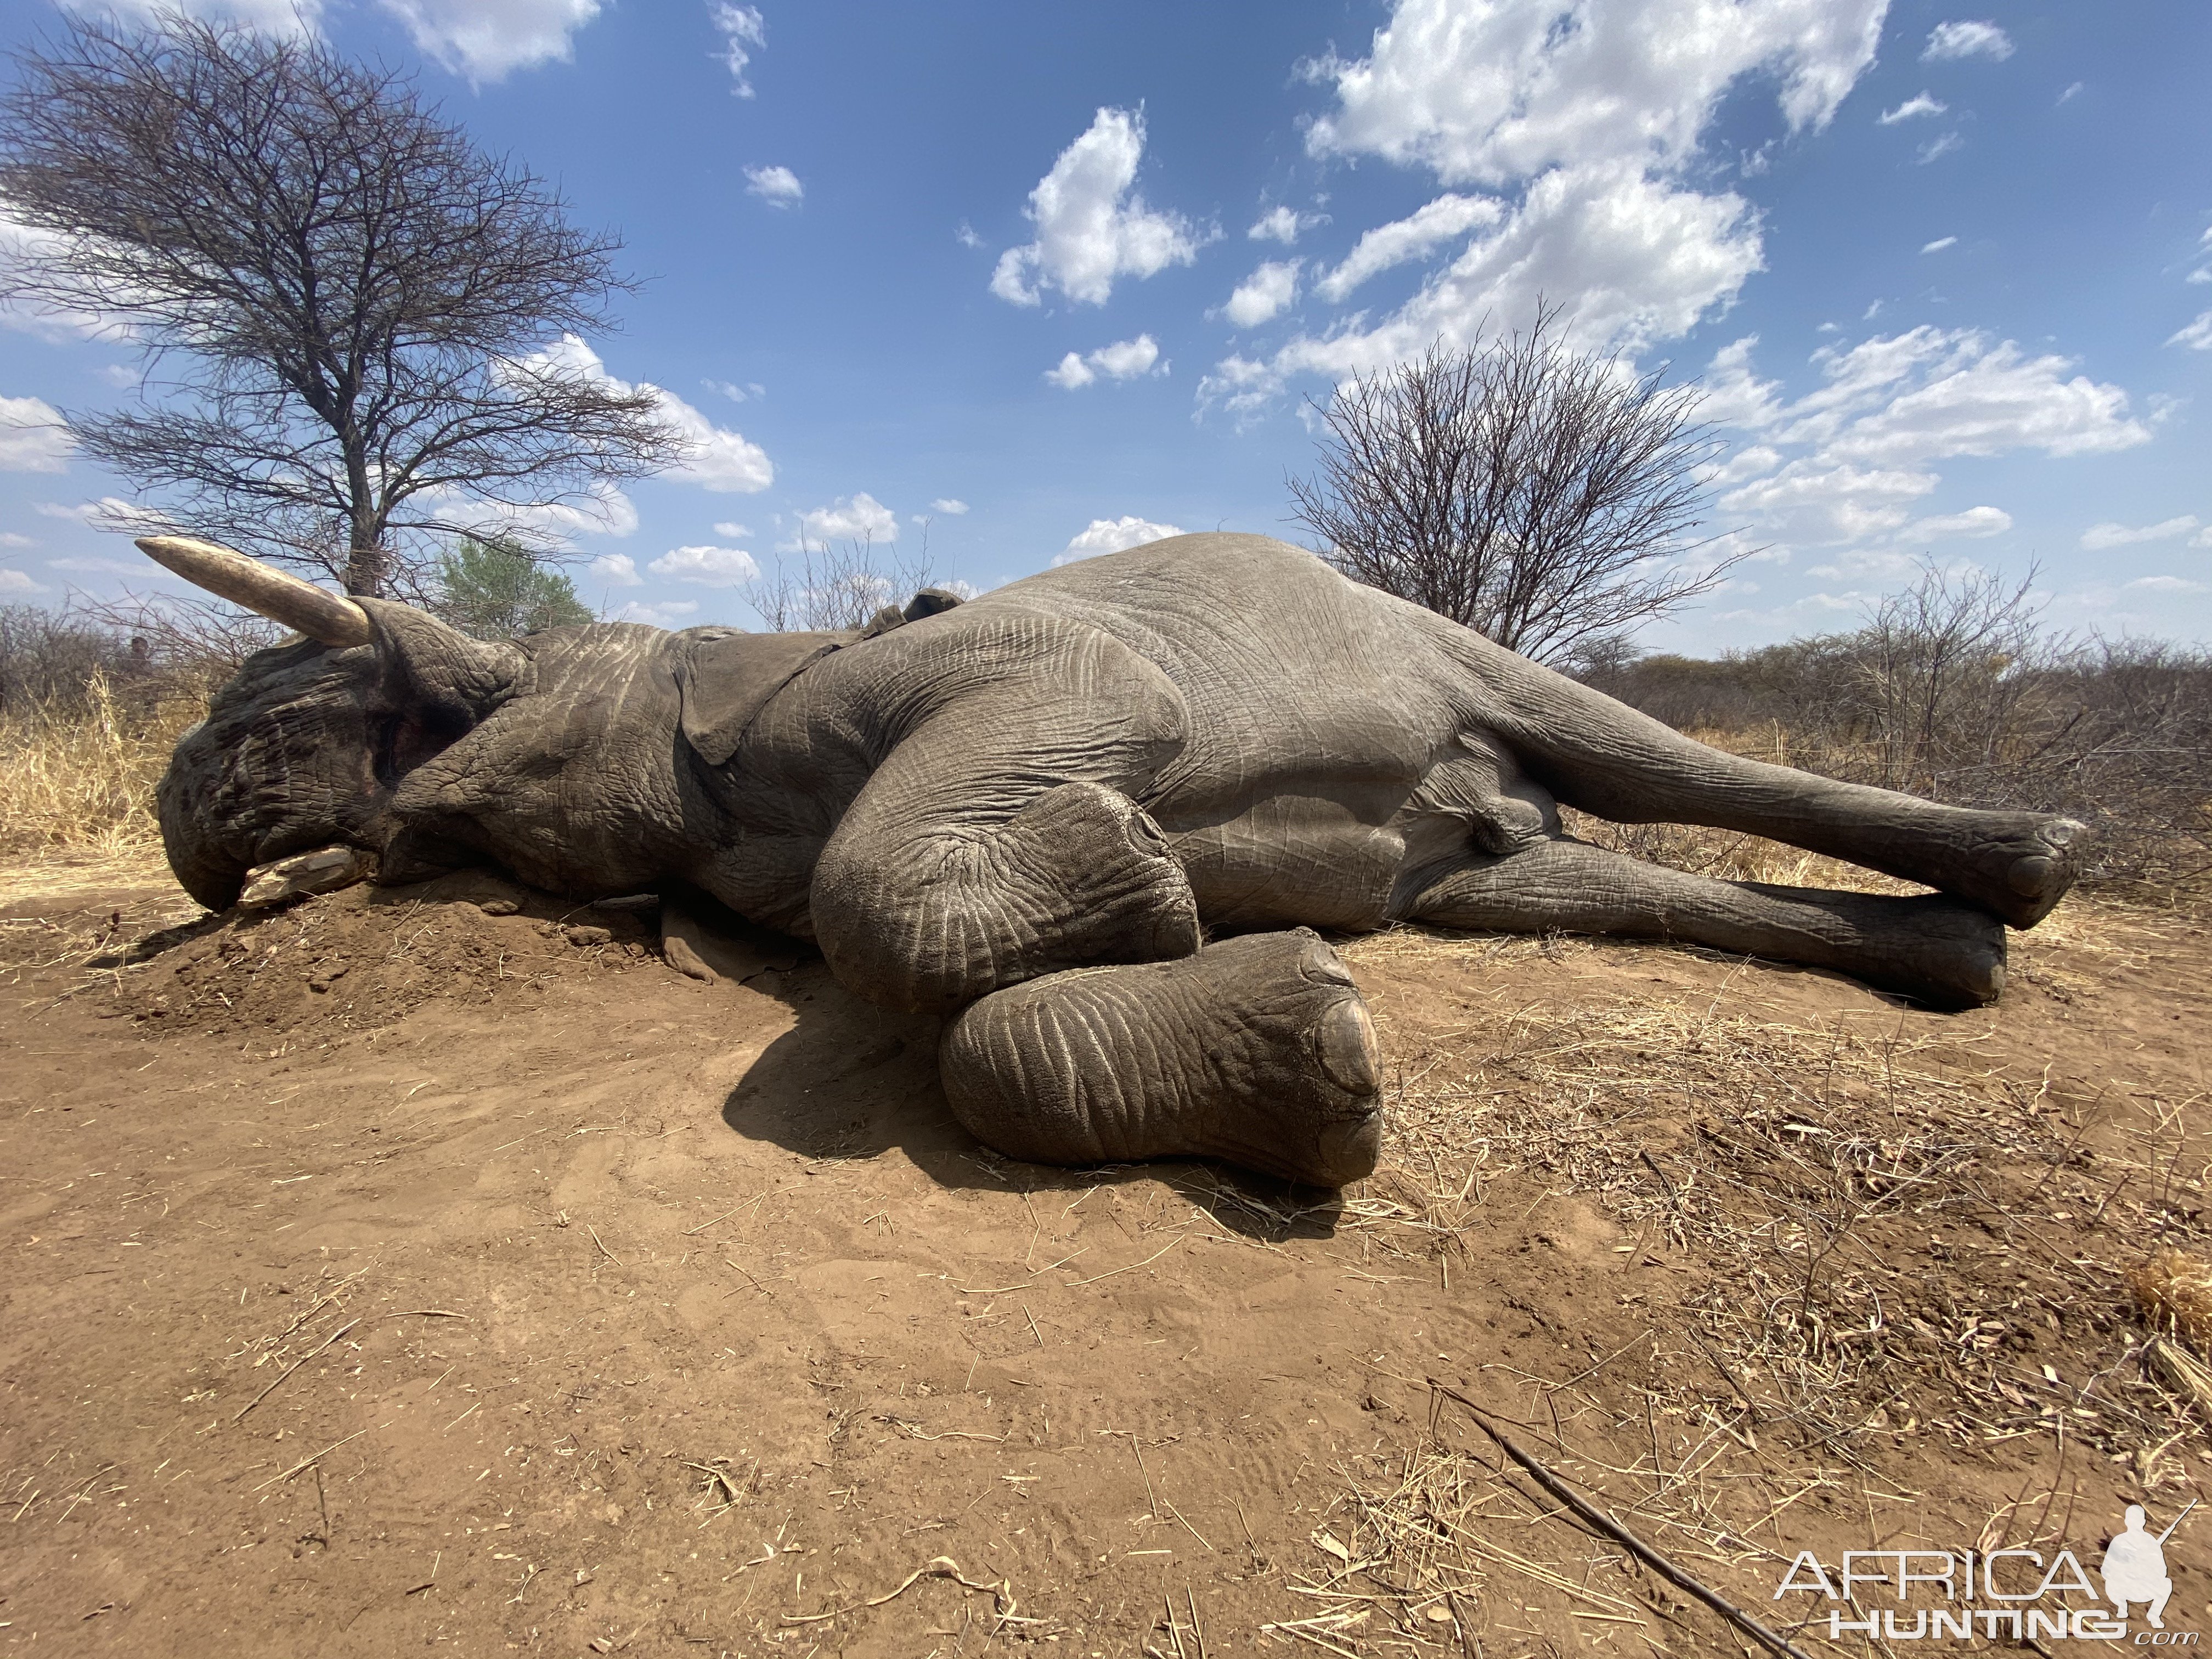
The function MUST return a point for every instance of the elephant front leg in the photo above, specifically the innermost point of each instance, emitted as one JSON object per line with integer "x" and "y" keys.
{"x": 928, "y": 918}
{"x": 1257, "y": 1050}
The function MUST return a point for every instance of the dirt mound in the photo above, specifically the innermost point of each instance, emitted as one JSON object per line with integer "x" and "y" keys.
{"x": 317, "y": 971}
{"x": 519, "y": 1293}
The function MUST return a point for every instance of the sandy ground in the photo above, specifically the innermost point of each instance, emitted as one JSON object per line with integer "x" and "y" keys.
{"x": 388, "y": 1274}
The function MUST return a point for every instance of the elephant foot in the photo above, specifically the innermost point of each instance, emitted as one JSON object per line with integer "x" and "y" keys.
{"x": 1257, "y": 1050}
{"x": 2019, "y": 864}
{"x": 1938, "y": 950}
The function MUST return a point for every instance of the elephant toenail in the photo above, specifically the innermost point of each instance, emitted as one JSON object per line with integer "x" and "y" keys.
{"x": 1344, "y": 1042}
{"x": 1350, "y": 1149}
{"x": 1321, "y": 965}
{"x": 2030, "y": 876}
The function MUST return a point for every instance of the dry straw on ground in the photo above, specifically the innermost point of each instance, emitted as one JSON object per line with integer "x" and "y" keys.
{"x": 2175, "y": 1290}
{"x": 1881, "y": 1234}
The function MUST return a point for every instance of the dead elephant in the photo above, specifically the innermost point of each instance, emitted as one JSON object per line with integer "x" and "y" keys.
{"x": 1031, "y": 811}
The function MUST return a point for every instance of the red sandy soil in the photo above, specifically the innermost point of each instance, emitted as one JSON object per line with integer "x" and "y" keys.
{"x": 383, "y": 1274}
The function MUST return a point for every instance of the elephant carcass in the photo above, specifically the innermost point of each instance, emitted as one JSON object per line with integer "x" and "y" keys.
{"x": 1030, "y": 813}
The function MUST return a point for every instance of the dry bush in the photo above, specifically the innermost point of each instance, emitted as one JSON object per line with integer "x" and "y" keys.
{"x": 838, "y": 586}
{"x": 2174, "y": 1289}
{"x": 1540, "y": 494}
{"x": 91, "y": 704}
{"x": 78, "y": 774}
{"x": 1954, "y": 691}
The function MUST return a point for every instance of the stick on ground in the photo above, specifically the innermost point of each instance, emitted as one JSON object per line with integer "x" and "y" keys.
{"x": 1611, "y": 1528}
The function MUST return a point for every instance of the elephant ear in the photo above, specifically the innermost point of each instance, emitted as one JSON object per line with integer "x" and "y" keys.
{"x": 728, "y": 678}
{"x": 439, "y": 673}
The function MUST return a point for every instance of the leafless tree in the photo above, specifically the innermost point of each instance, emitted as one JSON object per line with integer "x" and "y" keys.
{"x": 1944, "y": 676}
{"x": 353, "y": 303}
{"x": 1538, "y": 494}
{"x": 838, "y": 585}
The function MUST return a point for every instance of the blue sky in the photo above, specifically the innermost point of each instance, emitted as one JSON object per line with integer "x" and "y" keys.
{"x": 1056, "y": 277}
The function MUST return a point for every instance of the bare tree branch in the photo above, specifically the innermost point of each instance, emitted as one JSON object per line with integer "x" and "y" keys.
{"x": 1539, "y": 495}
{"x": 838, "y": 585}
{"x": 357, "y": 301}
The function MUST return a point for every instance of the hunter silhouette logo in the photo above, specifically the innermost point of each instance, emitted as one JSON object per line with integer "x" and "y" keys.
{"x": 2012, "y": 1592}
{"x": 2135, "y": 1567}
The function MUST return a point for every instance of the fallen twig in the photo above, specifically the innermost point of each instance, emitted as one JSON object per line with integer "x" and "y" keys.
{"x": 1611, "y": 1528}
{"x": 294, "y": 1366}
{"x": 944, "y": 1567}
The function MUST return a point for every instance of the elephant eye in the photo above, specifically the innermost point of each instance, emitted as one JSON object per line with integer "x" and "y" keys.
{"x": 403, "y": 740}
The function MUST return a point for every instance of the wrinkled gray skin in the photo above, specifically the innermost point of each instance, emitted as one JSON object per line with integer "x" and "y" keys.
{"x": 1031, "y": 811}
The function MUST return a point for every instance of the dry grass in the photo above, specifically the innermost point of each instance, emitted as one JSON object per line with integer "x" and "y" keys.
{"x": 1727, "y": 855}
{"x": 2175, "y": 1290}
{"x": 78, "y": 778}
{"x": 1874, "y": 1243}
{"x": 1883, "y": 1225}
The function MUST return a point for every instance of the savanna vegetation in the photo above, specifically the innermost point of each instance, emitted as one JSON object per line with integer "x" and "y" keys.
{"x": 1955, "y": 690}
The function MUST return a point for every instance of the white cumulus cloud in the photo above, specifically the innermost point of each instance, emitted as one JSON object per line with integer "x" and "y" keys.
{"x": 708, "y": 566}
{"x": 1071, "y": 372}
{"x": 603, "y": 510}
{"x": 670, "y": 614}
{"x": 1497, "y": 93}
{"x": 2099, "y": 536}
{"x": 1412, "y": 237}
{"x": 778, "y": 186}
{"x": 1848, "y": 461}
{"x": 1912, "y": 108}
{"x": 22, "y": 243}
{"x": 950, "y": 505}
{"x": 1124, "y": 360}
{"x": 1637, "y": 259}
{"x": 730, "y": 530}
{"x": 1939, "y": 245}
{"x": 1114, "y": 536}
{"x": 1974, "y": 523}
{"x": 1259, "y": 296}
{"x": 721, "y": 459}
{"x": 1090, "y": 227}
{"x": 1283, "y": 225}
{"x": 1587, "y": 125}
{"x": 32, "y": 437}
{"x": 744, "y": 31}
{"x": 1948, "y": 42}
{"x": 18, "y": 582}
{"x": 857, "y": 517}
{"x": 1969, "y": 396}
{"x": 484, "y": 41}
{"x": 269, "y": 16}
{"x": 1815, "y": 501}
{"x": 2197, "y": 335}
{"x": 617, "y": 569}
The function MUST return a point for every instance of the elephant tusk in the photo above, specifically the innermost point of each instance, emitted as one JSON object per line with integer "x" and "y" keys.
{"x": 283, "y": 598}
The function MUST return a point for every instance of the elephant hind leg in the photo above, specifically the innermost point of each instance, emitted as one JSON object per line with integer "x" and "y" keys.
{"x": 1258, "y": 1050}
{"x": 1603, "y": 757}
{"x": 1937, "y": 949}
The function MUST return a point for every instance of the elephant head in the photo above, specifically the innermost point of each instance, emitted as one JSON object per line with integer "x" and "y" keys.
{"x": 312, "y": 741}
{"x": 586, "y": 760}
